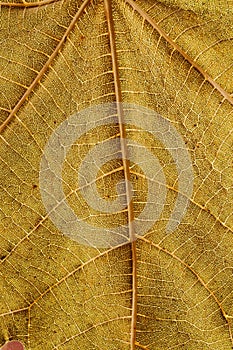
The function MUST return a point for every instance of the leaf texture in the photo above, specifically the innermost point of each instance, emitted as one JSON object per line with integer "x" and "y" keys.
{"x": 163, "y": 290}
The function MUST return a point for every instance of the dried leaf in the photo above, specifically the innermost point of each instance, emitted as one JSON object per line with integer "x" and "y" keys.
{"x": 143, "y": 89}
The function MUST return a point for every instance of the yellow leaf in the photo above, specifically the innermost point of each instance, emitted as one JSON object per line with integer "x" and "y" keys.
{"x": 116, "y": 214}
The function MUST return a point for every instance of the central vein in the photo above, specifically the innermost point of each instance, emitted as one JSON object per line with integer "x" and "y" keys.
{"x": 126, "y": 166}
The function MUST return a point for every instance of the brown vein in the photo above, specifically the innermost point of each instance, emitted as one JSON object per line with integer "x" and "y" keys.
{"x": 45, "y": 67}
{"x": 126, "y": 166}
{"x": 142, "y": 346}
{"x": 192, "y": 62}
{"x": 27, "y": 4}
{"x": 224, "y": 314}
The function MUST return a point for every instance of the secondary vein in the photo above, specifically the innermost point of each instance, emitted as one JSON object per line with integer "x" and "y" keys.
{"x": 192, "y": 62}
{"x": 45, "y": 67}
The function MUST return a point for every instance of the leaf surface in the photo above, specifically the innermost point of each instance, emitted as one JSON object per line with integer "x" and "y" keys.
{"x": 163, "y": 290}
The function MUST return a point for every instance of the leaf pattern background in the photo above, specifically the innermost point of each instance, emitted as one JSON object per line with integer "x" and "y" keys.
{"x": 174, "y": 57}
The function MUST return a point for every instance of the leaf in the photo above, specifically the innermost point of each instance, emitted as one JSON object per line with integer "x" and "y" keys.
{"x": 164, "y": 289}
